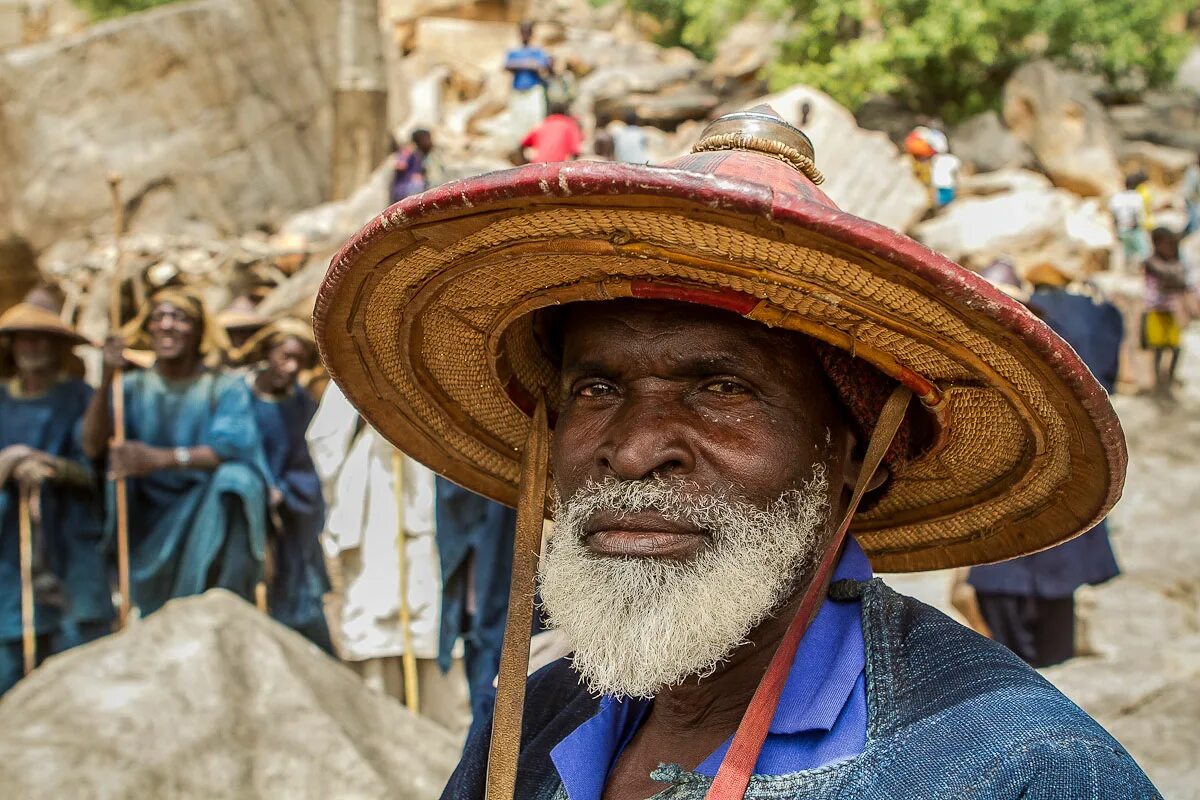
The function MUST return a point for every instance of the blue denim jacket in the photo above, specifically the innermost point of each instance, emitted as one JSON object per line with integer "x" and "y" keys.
{"x": 949, "y": 715}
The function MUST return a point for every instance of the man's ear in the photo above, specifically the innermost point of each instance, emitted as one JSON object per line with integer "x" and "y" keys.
{"x": 852, "y": 467}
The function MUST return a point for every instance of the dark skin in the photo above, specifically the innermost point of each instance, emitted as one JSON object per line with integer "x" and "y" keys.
{"x": 285, "y": 361}
{"x": 175, "y": 339}
{"x": 658, "y": 388}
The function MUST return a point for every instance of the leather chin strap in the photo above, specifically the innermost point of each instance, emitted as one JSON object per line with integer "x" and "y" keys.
{"x": 514, "y": 655}
{"x": 738, "y": 765}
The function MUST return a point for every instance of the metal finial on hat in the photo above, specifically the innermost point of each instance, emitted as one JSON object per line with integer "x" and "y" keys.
{"x": 761, "y": 130}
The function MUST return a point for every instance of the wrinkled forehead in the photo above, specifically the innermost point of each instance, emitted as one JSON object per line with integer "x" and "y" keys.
{"x": 667, "y": 332}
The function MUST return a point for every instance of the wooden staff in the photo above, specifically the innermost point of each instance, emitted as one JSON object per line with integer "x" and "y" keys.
{"x": 409, "y": 659}
{"x": 28, "y": 631}
{"x": 118, "y": 403}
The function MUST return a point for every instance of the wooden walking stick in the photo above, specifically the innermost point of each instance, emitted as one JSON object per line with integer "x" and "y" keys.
{"x": 409, "y": 659}
{"x": 118, "y": 403}
{"x": 28, "y": 631}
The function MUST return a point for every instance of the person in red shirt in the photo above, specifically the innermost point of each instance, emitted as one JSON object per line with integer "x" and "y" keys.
{"x": 557, "y": 138}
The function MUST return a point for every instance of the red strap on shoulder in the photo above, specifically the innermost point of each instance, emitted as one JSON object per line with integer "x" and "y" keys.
{"x": 738, "y": 765}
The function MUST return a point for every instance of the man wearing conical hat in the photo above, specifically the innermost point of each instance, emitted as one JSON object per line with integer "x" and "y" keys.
{"x": 197, "y": 479}
{"x": 40, "y": 406}
{"x": 736, "y": 402}
{"x": 277, "y": 355}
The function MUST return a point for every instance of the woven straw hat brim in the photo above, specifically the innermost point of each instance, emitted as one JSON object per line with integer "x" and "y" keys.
{"x": 29, "y": 318}
{"x": 425, "y": 320}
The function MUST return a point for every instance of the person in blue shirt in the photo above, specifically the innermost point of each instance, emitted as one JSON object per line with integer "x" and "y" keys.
{"x": 40, "y": 407}
{"x": 197, "y": 488}
{"x": 1028, "y": 603}
{"x": 283, "y": 410}
{"x": 530, "y": 67}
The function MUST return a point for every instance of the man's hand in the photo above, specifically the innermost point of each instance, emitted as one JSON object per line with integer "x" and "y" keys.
{"x": 35, "y": 469}
{"x": 114, "y": 358}
{"x": 135, "y": 459}
{"x": 10, "y": 458}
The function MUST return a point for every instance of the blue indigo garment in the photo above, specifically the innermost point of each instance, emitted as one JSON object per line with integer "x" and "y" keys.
{"x": 950, "y": 714}
{"x": 475, "y": 546}
{"x": 300, "y": 581}
{"x": 68, "y": 538}
{"x": 821, "y": 716}
{"x": 191, "y": 530}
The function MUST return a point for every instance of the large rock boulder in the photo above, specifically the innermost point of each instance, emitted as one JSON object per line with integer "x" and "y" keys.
{"x": 209, "y": 698}
{"x": 217, "y": 114}
{"x": 1030, "y": 223}
{"x": 1056, "y": 116}
{"x": 983, "y": 142}
{"x": 1167, "y": 118}
{"x": 865, "y": 172}
{"x": 1188, "y": 75}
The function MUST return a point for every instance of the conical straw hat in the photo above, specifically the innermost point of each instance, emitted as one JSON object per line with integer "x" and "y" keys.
{"x": 428, "y": 320}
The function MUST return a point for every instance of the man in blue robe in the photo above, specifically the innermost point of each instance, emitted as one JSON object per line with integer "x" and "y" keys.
{"x": 1028, "y": 603}
{"x": 197, "y": 492}
{"x": 283, "y": 411}
{"x": 40, "y": 407}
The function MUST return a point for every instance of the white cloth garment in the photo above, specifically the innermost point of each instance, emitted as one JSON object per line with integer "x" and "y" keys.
{"x": 356, "y": 468}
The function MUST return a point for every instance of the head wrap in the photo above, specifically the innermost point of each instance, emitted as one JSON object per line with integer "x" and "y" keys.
{"x": 258, "y": 345}
{"x": 213, "y": 341}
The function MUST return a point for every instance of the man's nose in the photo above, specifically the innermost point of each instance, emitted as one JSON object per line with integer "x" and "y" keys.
{"x": 647, "y": 438}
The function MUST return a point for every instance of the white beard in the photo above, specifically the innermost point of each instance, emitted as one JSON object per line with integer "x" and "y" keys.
{"x": 639, "y": 625}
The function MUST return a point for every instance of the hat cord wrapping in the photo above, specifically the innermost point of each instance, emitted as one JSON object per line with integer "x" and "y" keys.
{"x": 514, "y": 655}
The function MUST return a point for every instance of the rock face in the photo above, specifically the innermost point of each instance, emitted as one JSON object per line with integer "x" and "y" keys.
{"x": 1188, "y": 76}
{"x": 865, "y": 173}
{"x": 1054, "y": 114}
{"x": 216, "y": 113}
{"x": 208, "y": 698}
{"x": 986, "y": 144}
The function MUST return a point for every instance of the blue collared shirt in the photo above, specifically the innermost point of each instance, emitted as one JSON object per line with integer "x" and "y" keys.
{"x": 821, "y": 717}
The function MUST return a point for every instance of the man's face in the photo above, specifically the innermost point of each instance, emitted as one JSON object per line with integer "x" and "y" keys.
{"x": 696, "y": 459}
{"x": 35, "y": 352}
{"x": 285, "y": 361}
{"x": 672, "y": 390}
{"x": 525, "y": 30}
{"x": 173, "y": 334}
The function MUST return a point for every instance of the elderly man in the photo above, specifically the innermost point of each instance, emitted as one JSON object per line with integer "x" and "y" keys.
{"x": 192, "y": 456}
{"x": 727, "y": 361}
{"x": 40, "y": 407}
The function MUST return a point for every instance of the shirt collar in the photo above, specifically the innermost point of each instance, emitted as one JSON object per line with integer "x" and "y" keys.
{"x": 830, "y": 657}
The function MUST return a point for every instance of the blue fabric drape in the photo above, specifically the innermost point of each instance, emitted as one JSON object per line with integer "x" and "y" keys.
{"x": 300, "y": 579}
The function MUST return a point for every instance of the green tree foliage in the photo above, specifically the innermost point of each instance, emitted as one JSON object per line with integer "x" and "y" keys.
{"x": 103, "y": 9}
{"x": 949, "y": 57}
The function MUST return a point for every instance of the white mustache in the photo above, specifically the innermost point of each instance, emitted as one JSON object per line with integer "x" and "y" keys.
{"x": 639, "y": 625}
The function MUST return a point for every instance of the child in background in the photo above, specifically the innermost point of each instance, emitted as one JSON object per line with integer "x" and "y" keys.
{"x": 1166, "y": 284}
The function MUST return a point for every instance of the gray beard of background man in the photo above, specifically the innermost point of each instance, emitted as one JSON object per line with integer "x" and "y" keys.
{"x": 640, "y": 625}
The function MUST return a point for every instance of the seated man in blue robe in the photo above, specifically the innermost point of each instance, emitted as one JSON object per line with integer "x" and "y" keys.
{"x": 40, "y": 407}
{"x": 283, "y": 410}
{"x": 197, "y": 493}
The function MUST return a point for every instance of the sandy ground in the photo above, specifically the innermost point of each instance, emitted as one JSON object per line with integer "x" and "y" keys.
{"x": 1142, "y": 677}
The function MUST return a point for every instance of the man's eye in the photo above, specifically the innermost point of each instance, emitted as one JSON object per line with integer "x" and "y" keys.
{"x": 725, "y": 387}
{"x": 594, "y": 389}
